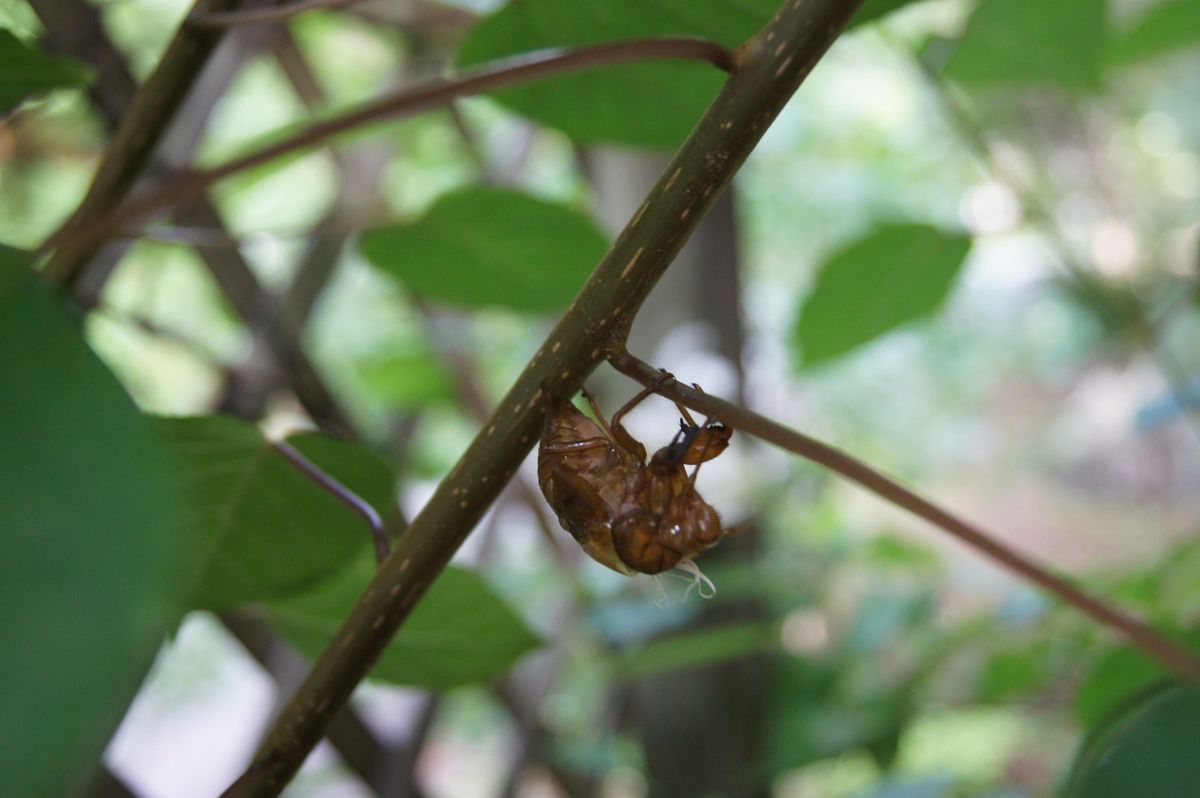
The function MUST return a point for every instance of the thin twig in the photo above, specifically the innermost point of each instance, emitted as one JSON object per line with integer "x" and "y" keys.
{"x": 88, "y": 230}
{"x": 340, "y": 492}
{"x": 1178, "y": 659}
{"x": 770, "y": 66}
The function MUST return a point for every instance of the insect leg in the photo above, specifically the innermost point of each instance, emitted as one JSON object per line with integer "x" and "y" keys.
{"x": 620, "y": 434}
{"x": 597, "y": 412}
{"x": 699, "y": 462}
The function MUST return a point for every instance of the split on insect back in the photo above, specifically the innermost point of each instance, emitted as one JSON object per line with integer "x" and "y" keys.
{"x": 630, "y": 514}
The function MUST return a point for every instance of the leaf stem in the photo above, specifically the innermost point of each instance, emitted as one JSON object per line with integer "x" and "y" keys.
{"x": 333, "y": 487}
{"x": 1180, "y": 660}
{"x": 769, "y": 68}
{"x": 86, "y": 231}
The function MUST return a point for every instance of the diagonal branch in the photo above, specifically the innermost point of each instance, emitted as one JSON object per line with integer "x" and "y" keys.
{"x": 1176, "y": 658}
{"x": 138, "y": 135}
{"x": 769, "y": 67}
{"x": 94, "y": 222}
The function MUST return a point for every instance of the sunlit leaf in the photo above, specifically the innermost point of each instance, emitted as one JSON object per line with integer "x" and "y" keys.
{"x": 488, "y": 246}
{"x": 26, "y": 72}
{"x": 265, "y": 530}
{"x": 91, "y": 519}
{"x": 1163, "y": 28}
{"x": 1032, "y": 42}
{"x": 1147, "y": 749}
{"x": 460, "y": 632}
{"x": 894, "y": 275}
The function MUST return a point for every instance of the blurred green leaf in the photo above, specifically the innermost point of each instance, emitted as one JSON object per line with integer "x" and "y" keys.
{"x": 264, "y": 530}
{"x": 649, "y": 104}
{"x": 812, "y": 718}
{"x": 890, "y": 550}
{"x": 894, "y": 275}
{"x": 1010, "y": 674}
{"x": 489, "y": 246}
{"x": 408, "y": 381}
{"x": 1119, "y": 674}
{"x": 90, "y": 512}
{"x": 646, "y": 104}
{"x": 1162, "y": 29}
{"x": 460, "y": 632}
{"x": 1148, "y": 749}
{"x": 26, "y": 72}
{"x": 698, "y": 648}
{"x": 1032, "y": 42}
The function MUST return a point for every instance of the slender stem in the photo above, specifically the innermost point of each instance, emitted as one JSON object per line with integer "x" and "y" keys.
{"x": 1178, "y": 659}
{"x": 88, "y": 230}
{"x": 770, "y": 66}
{"x": 340, "y": 492}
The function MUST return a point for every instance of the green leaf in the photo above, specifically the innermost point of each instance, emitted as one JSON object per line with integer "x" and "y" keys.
{"x": 698, "y": 648}
{"x": 1010, "y": 674}
{"x": 884, "y": 551}
{"x": 1162, "y": 29}
{"x": 488, "y": 246}
{"x": 1119, "y": 674}
{"x": 264, "y": 530}
{"x": 407, "y": 381}
{"x": 651, "y": 104}
{"x": 645, "y": 104}
{"x": 90, "y": 513}
{"x": 1032, "y": 42}
{"x": 26, "y": 72}
{"x": 460, "y": 632}
{"x": 813, "y": 716}
{"x": 1149, "y": 749}
{"x": 893, "y": 275}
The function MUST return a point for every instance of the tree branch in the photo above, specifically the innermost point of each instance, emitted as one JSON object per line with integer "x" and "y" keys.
{"x": 1178, "y": 659}
{"x": 140, "y": 131}
{"x": 96, "y": 220}
{"x": 769, "y": 67}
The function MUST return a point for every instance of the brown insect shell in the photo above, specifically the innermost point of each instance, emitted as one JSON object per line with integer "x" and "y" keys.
{"x": 664, "y": 519}
{"x": 706, "y": 444}
{"x": 586, "y": 487}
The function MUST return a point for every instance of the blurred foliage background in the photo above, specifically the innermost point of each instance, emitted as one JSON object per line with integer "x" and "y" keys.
{"x": 967, "y": 252}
